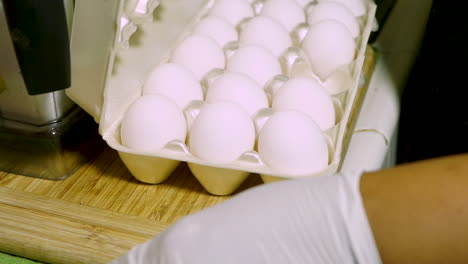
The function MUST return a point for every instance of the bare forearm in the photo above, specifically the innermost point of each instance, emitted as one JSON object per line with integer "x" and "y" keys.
{"x": 419, "y": 212}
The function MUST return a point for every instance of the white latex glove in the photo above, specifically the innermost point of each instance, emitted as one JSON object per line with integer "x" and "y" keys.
{"x": 319, "y": 220}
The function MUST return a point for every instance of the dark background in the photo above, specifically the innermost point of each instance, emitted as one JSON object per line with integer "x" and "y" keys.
{"x": 434, "y": 110}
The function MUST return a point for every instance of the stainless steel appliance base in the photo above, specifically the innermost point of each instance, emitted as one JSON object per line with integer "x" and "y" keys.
{"x": 52, "y": 151}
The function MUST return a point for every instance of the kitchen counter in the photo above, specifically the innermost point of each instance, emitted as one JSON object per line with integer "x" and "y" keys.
{"x": 101, "y": 211}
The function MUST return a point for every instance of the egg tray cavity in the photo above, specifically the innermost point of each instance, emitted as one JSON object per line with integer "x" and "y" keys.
{"x": 144, "y": 41}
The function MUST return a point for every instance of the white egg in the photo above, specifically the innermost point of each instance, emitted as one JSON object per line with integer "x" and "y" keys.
{"x": 358, "y": 7}
{"x": 255, "y": 62}
{"x": 287, "y": 12}
{"x": 239, "y": 89}
{"x": 328, "y": 46}
{"x": 291, "y": 143}
{"x": 218, "y": 29}
{"x": 338, "y": 82}
{"x": 334, "y": 11}
{"x": 151, "y": 122}
{"x": 267, "y": 33}
{"x": 221, "y": 133}
{"x": 308, "y": 96}
{"x": 175, "y": 82}
{"x": 233, "y": 11}
{"x": 200, "y": 54}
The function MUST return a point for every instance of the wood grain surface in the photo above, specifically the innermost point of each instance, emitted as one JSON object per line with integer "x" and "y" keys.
{"x": 100, "y": 211}
{"x": 54, "y": 231}
{"x": 105, "y": 183}
{"x": 95, "y": 215}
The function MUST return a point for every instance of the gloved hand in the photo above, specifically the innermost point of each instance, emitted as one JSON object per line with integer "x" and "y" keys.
{"x": 319, "y": 220}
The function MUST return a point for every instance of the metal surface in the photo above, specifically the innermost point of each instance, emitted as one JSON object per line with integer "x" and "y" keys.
{"x": 45, "y": 136}
{"x": 52, "y": 151}
{"x": 15, "y": 103}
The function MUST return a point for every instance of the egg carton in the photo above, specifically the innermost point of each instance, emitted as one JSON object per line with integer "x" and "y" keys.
{"x": 115, "y": 44}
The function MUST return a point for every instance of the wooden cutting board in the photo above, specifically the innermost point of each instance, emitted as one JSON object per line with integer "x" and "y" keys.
{"x": 101, "y": 211}
{"x": 96, "y": 214}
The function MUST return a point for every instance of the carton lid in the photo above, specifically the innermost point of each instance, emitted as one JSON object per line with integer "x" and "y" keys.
{"x": 99, "y": 28}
